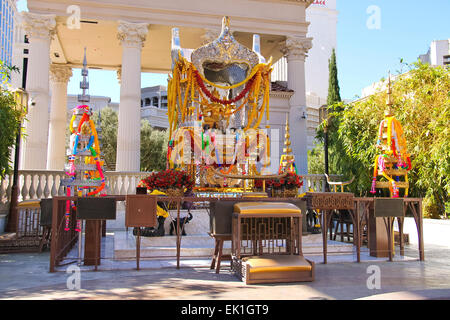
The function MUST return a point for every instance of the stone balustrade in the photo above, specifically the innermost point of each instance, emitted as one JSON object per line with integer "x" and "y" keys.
{"x": 37, "y": 184}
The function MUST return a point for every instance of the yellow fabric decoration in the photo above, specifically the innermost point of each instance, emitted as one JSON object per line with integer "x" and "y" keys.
{"x": 160, "y": 212}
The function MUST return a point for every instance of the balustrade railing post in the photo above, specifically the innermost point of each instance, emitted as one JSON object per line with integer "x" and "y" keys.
{"x": 46, "y": 189}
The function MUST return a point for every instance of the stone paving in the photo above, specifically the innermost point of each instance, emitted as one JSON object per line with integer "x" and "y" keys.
{"x": 26, "y": 276}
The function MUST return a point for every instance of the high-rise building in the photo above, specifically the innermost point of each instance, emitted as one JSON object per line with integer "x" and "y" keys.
{"x": 8, "y": 10}
{"x": 13, "y": 51}
{"x": 438, "y": 54}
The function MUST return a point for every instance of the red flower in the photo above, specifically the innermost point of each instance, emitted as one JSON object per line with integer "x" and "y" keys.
{"x": 168, "y": 178}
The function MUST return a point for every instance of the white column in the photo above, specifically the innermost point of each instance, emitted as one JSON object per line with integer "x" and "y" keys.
{"x": 132, "y": 37}
{"x": 39, "y": 28}
{"x": 59, "y": 77}
{"x": 295, "y": 50}
{"x": 159, "y": 100}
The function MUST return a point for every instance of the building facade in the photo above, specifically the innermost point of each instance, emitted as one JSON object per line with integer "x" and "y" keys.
{"x": 438, "y": 54}
{"x": 8, "y": 13}
{"x": 322, "y": 16}
{"x": 154, "y": 106}
{"x": 96, "y": 104}
{"x": 14, "y": 46}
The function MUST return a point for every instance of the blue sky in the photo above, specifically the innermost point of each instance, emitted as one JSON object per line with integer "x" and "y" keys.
{"x": 364, "y": 54}
{"x": 407, "y": 28}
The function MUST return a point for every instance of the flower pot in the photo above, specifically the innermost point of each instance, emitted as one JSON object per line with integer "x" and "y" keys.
{"x": 285, "y": 193}
{"x": 290, "y": 193}
{"x": 174, "y": 192}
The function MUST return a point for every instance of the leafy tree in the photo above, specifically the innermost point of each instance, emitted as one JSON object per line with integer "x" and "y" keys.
{"x": 10, "y": 119}
{"x": 153, "y": 142}
{"x": 316, "y": 161}
{"x": 108, "y": 124}
{"x": 422, "y": 105}
{"x": 153, "y": 148}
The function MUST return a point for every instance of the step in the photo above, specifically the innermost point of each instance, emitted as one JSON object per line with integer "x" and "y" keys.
{"x": 394, "y": 172}
{"x": 203, "y": 246}
{"x": 387, "y": 184}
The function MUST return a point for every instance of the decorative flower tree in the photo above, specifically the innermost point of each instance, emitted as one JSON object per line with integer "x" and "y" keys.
{"x": 394, "y": 161}
{"x": 84, "y": 167}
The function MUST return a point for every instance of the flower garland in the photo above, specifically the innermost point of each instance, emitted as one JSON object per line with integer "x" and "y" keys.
{"x": 396, "y": 147}
{"x": 208, "y": 93}
{"x": 186, "y": 79}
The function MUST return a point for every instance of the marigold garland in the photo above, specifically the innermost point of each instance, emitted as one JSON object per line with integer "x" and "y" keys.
{"x": 186, "y": 84}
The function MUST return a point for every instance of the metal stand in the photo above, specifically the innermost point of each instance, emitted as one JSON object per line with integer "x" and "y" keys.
{"x": 138, "y": 247}
{"x": 80, "y": 237}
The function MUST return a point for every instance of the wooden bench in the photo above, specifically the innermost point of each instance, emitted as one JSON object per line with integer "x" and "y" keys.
{"x": 275, "y": 269}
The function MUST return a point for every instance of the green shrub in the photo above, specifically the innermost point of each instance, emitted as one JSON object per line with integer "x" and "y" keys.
{"x": 422, "y": 105}
{"x": 9, "y": 120}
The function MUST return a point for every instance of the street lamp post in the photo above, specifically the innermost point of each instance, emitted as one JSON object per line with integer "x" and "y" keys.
{"x": 21, "y": 98}
{"x": 324, "y": 117}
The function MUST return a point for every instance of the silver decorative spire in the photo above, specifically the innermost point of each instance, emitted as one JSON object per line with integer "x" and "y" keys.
{"x": 84, "y": 84}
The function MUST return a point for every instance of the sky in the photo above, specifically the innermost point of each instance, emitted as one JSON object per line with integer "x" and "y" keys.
{"x": 372, "y": 37}
{"x": 406, "y": 29}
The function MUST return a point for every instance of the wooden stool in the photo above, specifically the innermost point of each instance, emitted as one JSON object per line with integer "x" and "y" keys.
{"x": 45, "y": 240}
{"x": 218, "y": 250}
{"x": 342, "y": 220}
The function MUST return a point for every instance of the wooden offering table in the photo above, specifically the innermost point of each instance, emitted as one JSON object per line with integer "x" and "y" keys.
{"x": 140, "y": 212}
{"x": 94, "y": 211}
{"x": 360, "y": 209}
{"x": 329, "y": 203}
{"x": 381, "y": 218}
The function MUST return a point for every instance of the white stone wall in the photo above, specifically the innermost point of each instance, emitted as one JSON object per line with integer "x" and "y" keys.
{"x": 157, "y": 117}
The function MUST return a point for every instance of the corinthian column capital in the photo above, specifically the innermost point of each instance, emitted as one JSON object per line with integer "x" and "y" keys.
{"x": 119, "y": 75}
{"x": 60, "y": 73}
{"x": 41, "y": 26}
{"x": 132, "y": 34}
{"x": 296, "y": 47}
